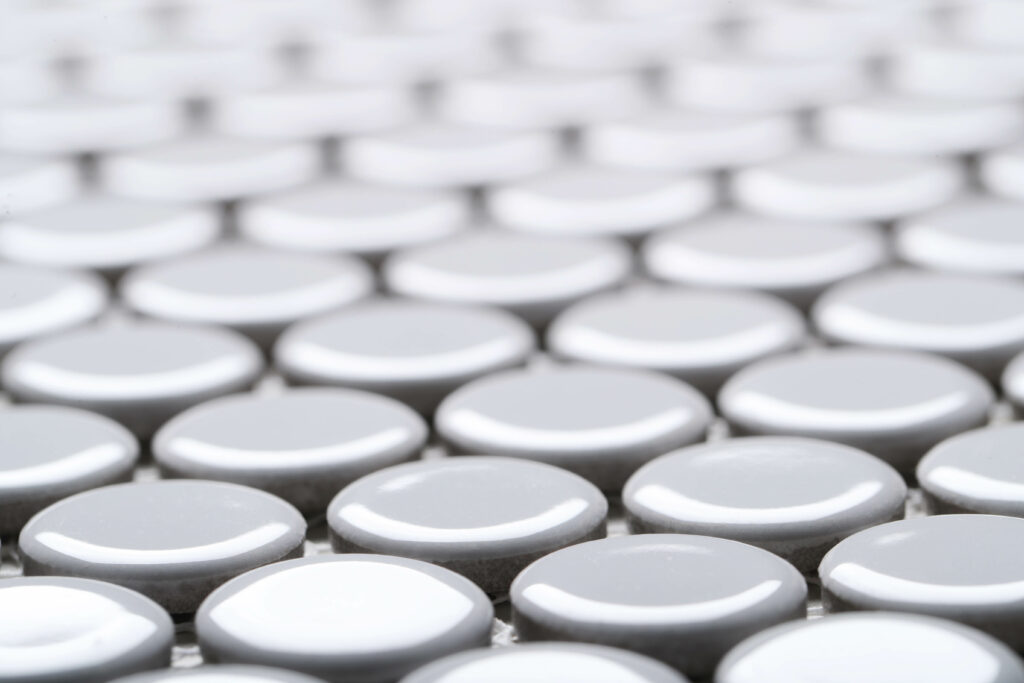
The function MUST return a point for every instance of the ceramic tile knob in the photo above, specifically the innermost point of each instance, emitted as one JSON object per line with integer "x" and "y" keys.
{"x": 40, "y": 301}
{"x": 976, "y": 234}
{"x": 253, "y": 290}
{"x": 601, "y": 423}
{"x": 448, "y": 155}
{"x": 977, "y": 471}
{"x": 685, "y": 600}
{"x": 954, "y": 69}
{"x": 892, "y": 404}
{"x": 72, "y": 629}
{"x": 586, "y": 199}
{"x": 794, "y": 497}
{"x": 700, "y": 336}
{"x": 415, "y": 352}
{"x": 209, "y": 169}
{"x": 344, "y": 617}
{"x": 1002, "y": 171}
{"x": 350, "y": 217}
{"x": 304, "y": 445}
{"x": 795, "y": 260}
{"x": 1013, "y": 383}
{"x": 51, "y": 452}
{"x": 534, "y": 276}
{"x": 140, "y": 374}
{"x": 875, "y": 646}
{"x": 213, "y": 673}
{"x": 107, "y": 233}
{"x": 839, "y": 186}
{"x": 485, "y": 517}
{"x": 546, "y": 663}
{"x": 961, "y": 567}
{"x": 29, "y": 182}
{"x": 174, "y": 541}
{"x": 976, "y": 320}
{"x": 690, "y": 140}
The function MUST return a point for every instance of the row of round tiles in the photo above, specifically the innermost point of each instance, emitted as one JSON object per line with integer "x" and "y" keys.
{"x": 685, "y": 600}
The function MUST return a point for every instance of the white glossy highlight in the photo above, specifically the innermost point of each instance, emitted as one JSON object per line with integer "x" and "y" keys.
{"x": 975, "y": 485}
{"x": 521, "y": 666}
{"x": 855, "y": 577}
{"x": 71, "y": 467}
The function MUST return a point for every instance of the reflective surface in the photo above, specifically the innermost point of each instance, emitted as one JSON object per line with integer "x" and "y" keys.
{"x": 977, "y": 471}
{"x": 599, "y": 423}
{"x": 172, "y": 540}
{"x": 369, "y": 617}
{"x": 794, "y": 497}
{"x": 486, "y": 517}
{"x": 222, "y": 674}
{"x": 682, "y": 599}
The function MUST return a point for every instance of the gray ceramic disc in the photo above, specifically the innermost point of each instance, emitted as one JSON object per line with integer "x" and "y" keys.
{"x": 485, "y": 517}
{"x": 304, "y": 445}
{"x": 50, "y": 452}
{"x": 795, "y": 497}
{"x": 892, "y": 404}
{"x": 792, "y": 259}
{"x": 976, "y": 320}
{"x": 1013, "y": 383}
{"x": 366, "y": 618}
{"x": 250, "y": 289}
{"x": 416, "y": 352}
{"x": 885, "y": 647}
{"x": 29, "y": 183}
{"x": 685, "y": 600}
{"x": 212, "y": 673}
{"x": 139, "y": 374}
{"x": 587, "y": 199}
{"x": 701, "y": 337}
{"x": 977, "y": 471}
{"x": 533, "y": 276}
{"x": 840, "y": 186}
{"x": 107, "y": 233}
{"x": 963, "y": 567}
{"x": 174, "y": 541}
{"x": 57, "y": 629}
{"x": 600, "y": 423}
{"x": 360, "y": 218}
{"x": 976, "y": 234}
{"x": 1001, "y": 171}
{"x": 546, "y": 663}
{"x": 38, "y": 301}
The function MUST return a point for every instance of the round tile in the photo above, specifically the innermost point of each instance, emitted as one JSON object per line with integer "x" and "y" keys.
{"x": 253, "y": 290}
{"x": 975, "y": 320}
{"x": 699, "y": 336}
{"x": 344, "y": 617}
{"x": 546, "y": 663}
{"x": 961, "y": 567}
{"x": 542, "y": 98}
{"x": 892, "y": 404}
{"x": 942, "y": 68}
{"x": 447, "y": 155}
{"x": 593, "y": 200}
{"x": 880, "y": 646}
{"x": 174, "y": 541}
{"x": 29, "y": 183}
{"x": 304, "y": 445}
{"x": 893, "y": 124}
{"x": 823, "y": 185}
{"x": 416, "y": 352}
{"x": 1002, "y": 170}
{"x": 39, "y": 301}
{"x": 51, "y": 452}
{"x": 685, "y": 600}
{"x": 600, "y": 423}
{"x": 794, "y": 497}
{"x": 1012, "y": 383}
{"x": 680, "y": 140}
{"x": 209, "y": 169}
{"x": 791, "y": 259}
{"x": 107, "y": 233}
{"x": 271, "y": 23}
{"x": 533, "y": 276}
{"x": 139, "y": 374}
{"x": 976, "y": 234}
{"x": 350, "y": 217}
{"x": 62, "y": 629}
{"x": 484, "y": 517}
{"x": 213, "y": 673}
{"x": 977, "y": 471}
